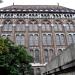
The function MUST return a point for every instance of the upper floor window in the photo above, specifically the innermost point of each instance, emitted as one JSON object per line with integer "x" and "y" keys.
{"x": 58, "y": 25}
{"x": 70, "y": 26}
{"x": 7, "y": 25}
{"x": 47, "y": 39}
{"x": 46, "y": 25}
{"x": 33, "y": 39}
{"x": 33, "y": 25}
{"x": 20, "y": 25}
{"x": 60, "y": 39}
{"x": 71, "y": 38}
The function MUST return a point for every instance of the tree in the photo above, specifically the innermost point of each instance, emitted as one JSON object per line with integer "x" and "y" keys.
{"x": 14, "y": 60}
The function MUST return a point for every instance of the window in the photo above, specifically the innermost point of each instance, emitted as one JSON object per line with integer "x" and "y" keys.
{"x": 36, "y": 39}
{"x": 51, "y": 54}
{"x": 60, "y": 39}
{"x": 44, "y": 39}
{"x": 49, "y": 39}
{"x": 46, "y": 27}
{"x": 57, "y": 39}
{"x": 46, "y": 55}
{"x": 58, "y": 27}
{"x": 38, "y": 71}
{"x": 31, "y": 40}
{"x": 69, "y": 27}
{"x": 74, "y": 38}
{"x": 59, "y": 51}
{"x": 70, "y": 39}
{"x": 6, "y": 36}
{"x": 32, "y": 52}
{"x": 43, "y": 27}
{"x": 33, "y": 27}
{"x": 20, "y": 27}
{"x": 7, "y": 25}
{"x": 36, "y": 56}
{"x": 20, "y": 39}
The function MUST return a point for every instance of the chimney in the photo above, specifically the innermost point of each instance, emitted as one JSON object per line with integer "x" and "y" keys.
{"x": 58, "y": 4}
{"x": 13, "y": 3}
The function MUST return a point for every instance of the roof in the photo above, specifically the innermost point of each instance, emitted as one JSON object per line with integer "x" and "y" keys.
{"x": 41, "y": 8}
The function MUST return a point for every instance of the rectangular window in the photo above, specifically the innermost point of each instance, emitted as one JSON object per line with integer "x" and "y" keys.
{"x": 49, "y": 39}
{"x": 62, "y": 39}
{"x": 36, "y": 39}
{"x": 20, "y": 27}
{"x": 36, "y": 56}
{"x": 70, "y": 39}
{"x": 46, "y": 55}
{"x": 44, "y": 39}
{"x": 7, "y": 27}
{"x": 58, "y": 39}
{"x": 31, "y": 40}
{"x": 20, "y": 39}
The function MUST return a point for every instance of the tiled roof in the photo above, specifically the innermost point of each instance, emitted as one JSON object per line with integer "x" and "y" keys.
{"x": 46, "y": 8}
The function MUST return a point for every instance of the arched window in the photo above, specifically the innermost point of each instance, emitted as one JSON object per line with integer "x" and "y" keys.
{"x": 59, "y": 51}
{"x": 58, "y": 39}
{"x": 20, "y": 39}
{"x": 32, "y": 54}
{"x": 38, "y": 71}
{"x": 20, "y": 25}
{"x": 51, "y": 54}
{"x": 33, "y": 25}
{"x": 58, "y": 26}
{"x": 31, "y": 40}
{"x": 46, "y": 25}
{"x": 44, "y": 39}
{"x": 70, "y": 25}
{"x": 36, "y": 39}
{"x": 49, "y": 39}
{"x": 74, "y": 38}
{"x": 7, "y": 25}
{"x": 70, "y": 39}
{"x": 46, "y": 55}
{"x": 62, "y": 39}
{"x": 36, "y": 58}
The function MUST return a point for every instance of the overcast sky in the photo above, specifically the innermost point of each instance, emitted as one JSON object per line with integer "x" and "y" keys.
{"x": 66, "y": 3}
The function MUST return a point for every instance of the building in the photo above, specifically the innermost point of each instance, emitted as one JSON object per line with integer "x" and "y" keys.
{"x": 45, "y": 30}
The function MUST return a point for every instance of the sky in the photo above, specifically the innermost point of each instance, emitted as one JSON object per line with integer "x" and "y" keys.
{"x": 65, "y": 3}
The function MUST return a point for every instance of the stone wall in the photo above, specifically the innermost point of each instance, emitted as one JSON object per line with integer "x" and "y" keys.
{"x": 63, "y": 64}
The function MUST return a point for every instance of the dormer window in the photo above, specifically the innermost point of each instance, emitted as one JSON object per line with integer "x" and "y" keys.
{"x": 46, "y": 10}
{"x": 18, "y": 10}
{"x": 1, "y": 10}
{"x": 35, "y": 10}
{"x": 24, "y": 10}
{"x": 7, "y": 10}
{"x": 51, "y": 9}
{"x": 40, "y": 10}
{"x": 29, "y": 10}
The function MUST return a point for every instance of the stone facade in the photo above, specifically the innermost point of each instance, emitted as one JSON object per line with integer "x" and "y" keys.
{"x": 45, "y": 30}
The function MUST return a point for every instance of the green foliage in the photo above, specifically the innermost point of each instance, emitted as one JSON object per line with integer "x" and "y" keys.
{"x": 14, "y": 60}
